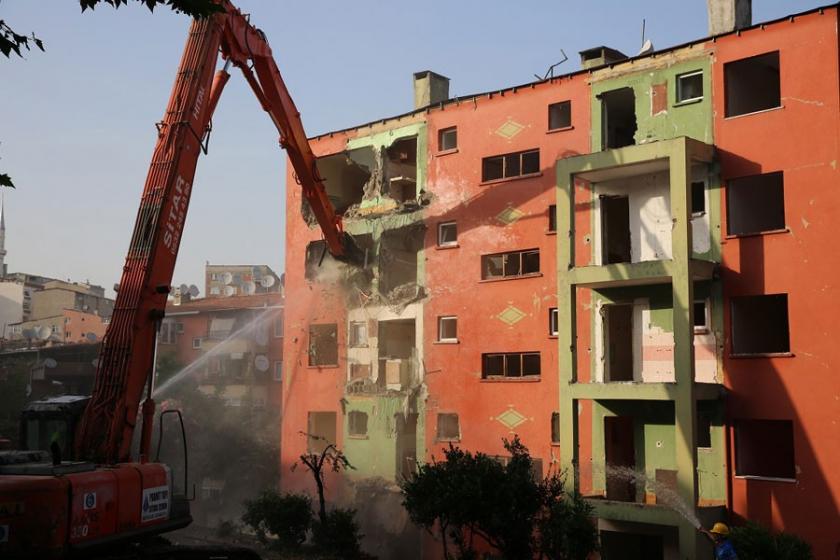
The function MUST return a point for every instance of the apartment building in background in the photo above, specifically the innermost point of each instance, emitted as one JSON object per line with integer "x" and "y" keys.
{"x": 225, "y": 280}
{"x": 236, "y": 342}
{"x": 625, "y": 266}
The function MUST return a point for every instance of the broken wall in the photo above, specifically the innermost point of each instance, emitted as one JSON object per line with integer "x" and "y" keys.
{"x": 653, "y": 80}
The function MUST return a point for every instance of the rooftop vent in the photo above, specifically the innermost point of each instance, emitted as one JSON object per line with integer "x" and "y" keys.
{"x": 728, "y": 15}
{"x": 598, "y": 56}
{"x": 430, "y": 88}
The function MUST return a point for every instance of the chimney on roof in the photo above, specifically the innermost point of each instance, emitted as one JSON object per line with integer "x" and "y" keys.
{"x": 728, "y": 15}
{"x": 599, "y": 56}
{"x": 430, "y": 88}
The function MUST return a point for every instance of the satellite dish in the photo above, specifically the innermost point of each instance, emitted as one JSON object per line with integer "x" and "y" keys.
{"x": 229, "y": 291}
{"x": 647, "y": 47}
{"x": 50, "y": 363}
{"x": 249, "y": 288}
{"x": 44, "y": 332}
{"x": 267, "y": 281}
{"x": 261, "y": 362}
{"x": 91, "y": 337}
{"x": 193, "y": 290}
{"x": 227, "y": 277}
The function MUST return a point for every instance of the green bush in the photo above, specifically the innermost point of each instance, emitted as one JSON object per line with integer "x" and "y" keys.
{"x": 340, "y": 535}
{"x": 286, "y": 516}
{"x": 754, "y": 542}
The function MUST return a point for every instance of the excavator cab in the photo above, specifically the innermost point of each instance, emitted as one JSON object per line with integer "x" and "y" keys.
{"x": 49, "y": 425}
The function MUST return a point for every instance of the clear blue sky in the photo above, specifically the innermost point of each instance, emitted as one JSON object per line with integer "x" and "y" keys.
{"x": 77, "y": 122}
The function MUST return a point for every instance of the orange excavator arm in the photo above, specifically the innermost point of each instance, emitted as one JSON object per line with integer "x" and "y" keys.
{"x": 126, "y": 362}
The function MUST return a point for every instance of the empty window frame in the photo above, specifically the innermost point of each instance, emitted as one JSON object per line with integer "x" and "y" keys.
{"x": 555, "y": 428}
{"x": 701, "y": 316}
{"x": 447, "y": 234}
{"x": 358, "y": 334}
{"x": 689, "y": 86}
{"x": 764, "y": 448}
{"x": 755, "y": 204}
{"x": 447, "y": 139}
{"x": 357, "y": 424}
{"x": 321, "y": 431}
{"x": 278, "y": 371}
{"x": 618, "y": 118}
{"x": 510, "y": 265}
{"x": 760, "y": 325}
{"x": 560, "y": 115}
{"x": 752, "y": 84}
{"x": 552, "y": 217}
{"x": 323, "y": 345}
{"x": 506, "y": 166}
{"x": 553, "y": 322}
{"x": 510, "y": 364}
{"x": 448, "y": 427}
{"x": 197, "y": 343}
{"x": 278, "y": 327}
{"x": 698, "y": 198}
{"x": 448, "y": 328}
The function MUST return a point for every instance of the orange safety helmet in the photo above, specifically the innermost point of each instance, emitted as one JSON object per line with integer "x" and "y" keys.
{"x": 720, "y": 529}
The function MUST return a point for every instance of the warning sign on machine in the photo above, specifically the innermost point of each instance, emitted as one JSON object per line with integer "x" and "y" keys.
{"x": 155, "y": 504}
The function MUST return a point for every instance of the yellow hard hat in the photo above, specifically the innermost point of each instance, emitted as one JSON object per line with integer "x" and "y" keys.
{"x": 720, "y": 529}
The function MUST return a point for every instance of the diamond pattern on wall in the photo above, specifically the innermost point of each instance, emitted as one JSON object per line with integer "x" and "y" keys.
{"x": 509, "y": 215}
{"x": 511, "y": 315}
{"x": 510, "y": 129}
{"x": 511, "y": 418}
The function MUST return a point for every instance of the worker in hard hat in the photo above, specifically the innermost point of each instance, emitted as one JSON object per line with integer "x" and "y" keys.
{"x": 719, "y": 535}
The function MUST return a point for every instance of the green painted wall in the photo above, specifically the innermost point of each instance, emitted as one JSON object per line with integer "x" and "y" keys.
{"x": 693, "y": 119}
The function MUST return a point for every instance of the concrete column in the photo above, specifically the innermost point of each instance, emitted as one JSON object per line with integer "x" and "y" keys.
{"x": 683, "y": 295}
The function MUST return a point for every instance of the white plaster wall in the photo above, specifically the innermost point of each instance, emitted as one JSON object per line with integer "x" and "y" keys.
{"x": 370, "y": 354}
{"x": 653, "y": 349}
{"x": 650, "y": 215}
{"x": 701, "y": 240}
{"x": 11, "y": 306}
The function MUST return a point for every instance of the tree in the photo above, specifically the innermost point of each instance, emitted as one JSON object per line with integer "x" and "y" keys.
{"x": 13, "y": 42}
{"x": 474, "y": 495}
{"x": 754, "y": 542}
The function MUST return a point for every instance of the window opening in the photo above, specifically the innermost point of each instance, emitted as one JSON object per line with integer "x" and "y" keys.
{"x": 448, "y": 139}
{"x": 553, "y": 321}
{"x": 560, "y": 115}
{"x": 555, "y": 427}
{"x": 620, "y": 452}
{"x": 323, "y": 345}
{"x": 447, "y": 234}
{"x": 701, "y": 316}
{"x": 760, "y": 324}
{"x": 698, "y": 198}
{"x": 358, "y": 334}
{"x": 690, "y": 86}
{"x": 704, "y": 430}
{"x": 278, "y": 371}
{"x": 321, "y": 431}
{"x": 196, "y": 343}
{"x": 615, "y": 229}
{"x": 510, "y": 364}
{"x": 510, "y": 165}
{"x": 755, "y": 204}
{"x": 618, "y": 115}
{"x": 752, "y": 84}
{"x": 448, "y": 329}
{"x": 552, "y": 217}
{"x": 402, "y": 169}
{"x": 357, "y": 424}
{"x": 448, "y": 427}
{"x": 508, "y": 265}
{"x": 764, "y": 448}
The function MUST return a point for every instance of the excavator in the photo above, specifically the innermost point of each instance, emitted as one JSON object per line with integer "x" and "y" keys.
{"x": 88, "y": 497}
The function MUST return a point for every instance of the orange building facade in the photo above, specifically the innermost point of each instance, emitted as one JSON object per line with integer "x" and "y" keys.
{"x": 625, "y": 266}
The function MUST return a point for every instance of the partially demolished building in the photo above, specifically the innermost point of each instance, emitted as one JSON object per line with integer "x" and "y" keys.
{"x": 627, "y": 266}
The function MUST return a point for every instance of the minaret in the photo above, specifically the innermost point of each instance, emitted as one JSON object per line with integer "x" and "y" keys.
{"x": 2, "y": 237}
